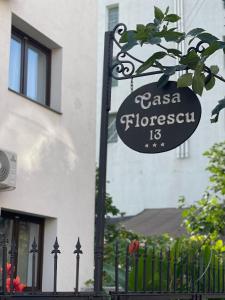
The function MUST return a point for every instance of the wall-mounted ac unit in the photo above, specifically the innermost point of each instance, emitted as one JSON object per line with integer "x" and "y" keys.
{"x": 8, "y": 162}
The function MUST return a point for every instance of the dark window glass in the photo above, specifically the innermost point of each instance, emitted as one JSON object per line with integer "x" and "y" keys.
{"x": 112, "y": 132}
{"x": 23, "y": 229}
{"x": 29, "y": 68}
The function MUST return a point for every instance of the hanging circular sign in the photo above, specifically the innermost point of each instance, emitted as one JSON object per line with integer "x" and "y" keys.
{"x": 154, "y": 120}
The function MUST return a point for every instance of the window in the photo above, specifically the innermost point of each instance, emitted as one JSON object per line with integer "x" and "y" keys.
{"x": 29, "y": 68}
{"x": 113, "y": 17}
{"x": 183, "y": 150}
{"x": 23, "y": 229}
{"x": 112, "y": 133}
{"x": 113, "y": 20}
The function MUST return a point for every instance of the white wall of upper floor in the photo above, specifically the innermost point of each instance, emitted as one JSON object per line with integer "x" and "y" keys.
{"x": 137, "y": 181}
{"x": 56, "y": 152}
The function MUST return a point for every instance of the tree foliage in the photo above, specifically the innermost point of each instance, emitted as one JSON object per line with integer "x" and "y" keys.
{"x": 207, "y": 216}
{"x": 161, "y": 32}
{"x": 204, "y": 222}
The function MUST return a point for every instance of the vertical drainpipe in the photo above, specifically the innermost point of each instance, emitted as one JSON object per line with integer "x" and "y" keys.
{"x": 183, "y": 150}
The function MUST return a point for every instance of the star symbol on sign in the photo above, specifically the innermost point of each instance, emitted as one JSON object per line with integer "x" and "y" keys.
{"x": 162, "y": 144}
{"x": 146, "y": 145}
{"x": 154, "y": 145}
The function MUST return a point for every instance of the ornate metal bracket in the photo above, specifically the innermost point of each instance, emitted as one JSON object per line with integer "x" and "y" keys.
{"x": 124, "y": 65}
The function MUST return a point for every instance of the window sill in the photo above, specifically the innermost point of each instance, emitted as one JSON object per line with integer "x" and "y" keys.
{"x": 36, "y": 102}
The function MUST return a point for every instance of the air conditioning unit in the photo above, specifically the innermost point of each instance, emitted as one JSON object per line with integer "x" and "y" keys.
{"x": 8, "y": 162}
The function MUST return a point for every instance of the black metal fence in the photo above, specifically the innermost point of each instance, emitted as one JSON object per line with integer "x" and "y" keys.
{"x": 7, "y": 285}
{"x": 170, "y": 273}
{"x": 145, "y": 272}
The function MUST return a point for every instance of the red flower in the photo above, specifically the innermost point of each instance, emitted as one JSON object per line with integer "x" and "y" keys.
{"x": 133, "y": 247}
{"x": 20, "y": 287}
{"x": 8, "y": 284}
{"x": 8, "y": 268}
{"x": 17, "y": 285}
{"x": 16, "y": 282}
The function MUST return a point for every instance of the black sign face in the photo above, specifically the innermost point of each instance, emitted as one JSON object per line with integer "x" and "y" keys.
{"x": 153, "y": 120}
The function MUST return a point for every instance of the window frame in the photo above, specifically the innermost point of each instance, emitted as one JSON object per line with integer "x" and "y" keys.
{"x": 26, "y": 40}
{"x": 16, "y": 217}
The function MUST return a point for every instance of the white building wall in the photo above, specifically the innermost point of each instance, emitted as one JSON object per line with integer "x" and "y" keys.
{"x": 56, "y": 152}
{"x": 137, "y": 181}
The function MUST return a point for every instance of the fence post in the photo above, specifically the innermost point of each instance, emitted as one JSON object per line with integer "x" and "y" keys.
{"x": 55, "y": 251}
{"x": 168, "y": 270}
{"x": 33, "y": 250}
{"x": 127, "y": 269}
{"x": 77, "y": 251}
{"x": 153, "y": 267}
{"x": 116, "y": 265}
{"x": 144, "y": 268}
{"x": 3, "y": 243}
{"x": 100, "y": 200}
{"x": 12, "y": 253}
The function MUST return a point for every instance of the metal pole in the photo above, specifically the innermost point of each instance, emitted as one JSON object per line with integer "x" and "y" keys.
{"x": 100, "y": 204}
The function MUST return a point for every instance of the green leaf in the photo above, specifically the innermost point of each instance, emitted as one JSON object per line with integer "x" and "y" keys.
{"x": 174, "y": 36}
{"x": 216, "y": 110}
{"x": 221, "y": 44}
{"x": 167, "y": 10}
{"x": 213, "y": 47}
{"x": 215, "y": 69}
{"x": 184, "y": 80}
{"x": 185, "y": 213}
{"x": 163, "y": 80}
{"x": 174, "y": 51}
{"x": 129, "y": 46}
{"x": 172, "y": 29}
{"x": 142, "y": 33}
{"x": 157, "y": 22}
{"x": 131, "y": 37}
{"x": 195, "y": 31}
{"x": 191, "y": 59}
{"x": 219, "y": 244}
{"x": 210, "y": 84}
{"x": 125, "y": 35}
{"x": 154, "y": 40}
{"x": 207, "y": 37}
{"x": 151, "y": 26}
{"x": 171, "y": 36}
{"x": 199, "y": 68}
{"x": 197, "y": 84}
{"x": 150, "y": 61}
{"x": 123, "y": 38}
{"x": 172, "y": 18}
{"x": 140, "y": 27}
{"x": 159, "y": 15}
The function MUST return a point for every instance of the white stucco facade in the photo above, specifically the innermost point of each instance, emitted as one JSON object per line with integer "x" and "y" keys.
{"x": 137, "y": 181}
{"x": 56, "y": 151}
